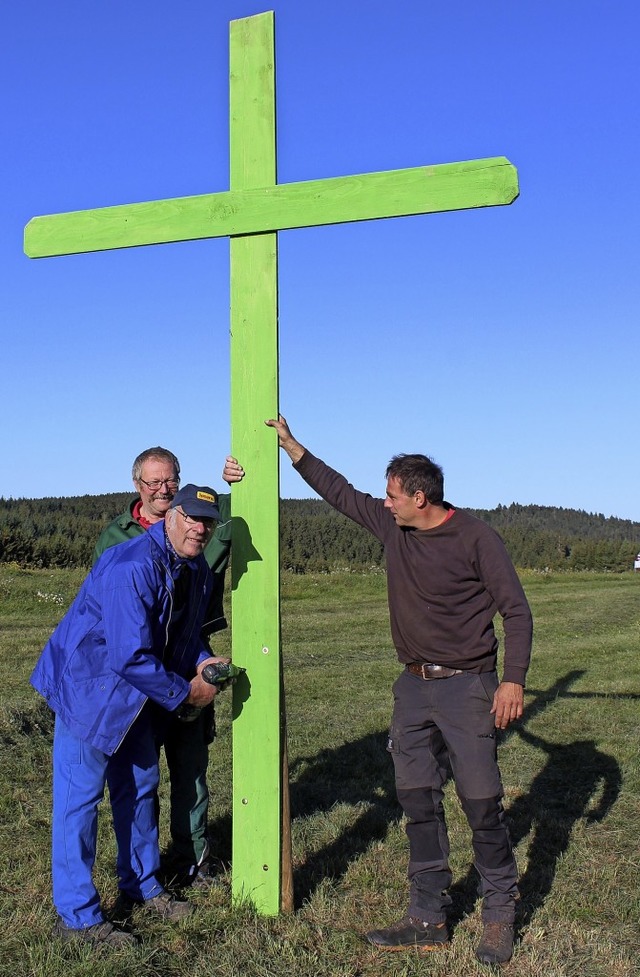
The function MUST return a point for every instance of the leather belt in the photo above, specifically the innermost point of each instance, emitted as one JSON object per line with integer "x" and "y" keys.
{"x": 426, "y": 670}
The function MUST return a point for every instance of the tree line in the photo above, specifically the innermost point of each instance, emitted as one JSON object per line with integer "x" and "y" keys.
{"x": 61, "y": 532}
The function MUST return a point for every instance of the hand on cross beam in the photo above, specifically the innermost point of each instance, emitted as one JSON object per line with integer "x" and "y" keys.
{"x": 232, "y": 471}
{"x": 286, "y": 440}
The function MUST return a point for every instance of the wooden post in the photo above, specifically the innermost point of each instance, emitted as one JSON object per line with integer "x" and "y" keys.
{"x": 257, "y": 729}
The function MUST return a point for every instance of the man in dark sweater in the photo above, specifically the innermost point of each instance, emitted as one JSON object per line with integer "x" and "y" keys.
{"x": 448, "y": 574}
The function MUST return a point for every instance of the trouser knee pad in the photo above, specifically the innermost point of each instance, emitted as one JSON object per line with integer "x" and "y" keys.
{"x": 419, "y": 804}
{"x": 483, "y": 813}
{"x": 491, "y": 840}
{"x": 426, "y": 828}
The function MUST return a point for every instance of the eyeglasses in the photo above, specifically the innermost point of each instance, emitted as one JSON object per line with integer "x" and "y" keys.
{"x": 205, "y": 520}
{"x": 156, "y": 483}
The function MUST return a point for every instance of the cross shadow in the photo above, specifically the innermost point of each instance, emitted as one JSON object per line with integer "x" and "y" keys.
{"x": 358, "y": 774}
{"x": 563, "y": 792}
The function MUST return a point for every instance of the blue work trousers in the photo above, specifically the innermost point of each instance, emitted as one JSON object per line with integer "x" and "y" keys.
{"x": 79, "y": 775}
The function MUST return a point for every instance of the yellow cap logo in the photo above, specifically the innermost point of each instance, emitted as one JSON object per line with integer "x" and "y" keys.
{"x": 206, "y": 497}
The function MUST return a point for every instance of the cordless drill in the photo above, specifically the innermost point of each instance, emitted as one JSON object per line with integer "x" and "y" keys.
{"x": 222, "y": 674}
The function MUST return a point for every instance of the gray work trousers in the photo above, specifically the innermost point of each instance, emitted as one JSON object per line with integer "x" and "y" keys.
{"x": 442, "y": 728}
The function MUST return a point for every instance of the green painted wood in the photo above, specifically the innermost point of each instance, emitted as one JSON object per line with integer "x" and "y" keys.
{"x": 267, "y": 207}
{"x": 257, "y": 746}
{"x": 251, "y": 213}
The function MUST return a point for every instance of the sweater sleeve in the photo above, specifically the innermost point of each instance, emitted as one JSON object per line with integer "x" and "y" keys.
{"x": 499, "y": 576}
{"x": 341, "y": 495}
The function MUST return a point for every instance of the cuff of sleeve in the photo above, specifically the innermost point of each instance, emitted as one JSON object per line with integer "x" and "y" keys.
{"x": 204, "y": 655}
{"x": 513, "y": 673}
{"x": 303, "y": 462}
{"x": 175, "y": 695}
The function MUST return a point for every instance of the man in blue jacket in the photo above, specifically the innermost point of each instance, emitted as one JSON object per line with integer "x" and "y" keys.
{"x": 126, "y": 655}
{"x": 156, "y": 478}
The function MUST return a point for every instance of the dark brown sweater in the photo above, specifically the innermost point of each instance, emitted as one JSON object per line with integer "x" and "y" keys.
{"x": 445, "y": 585}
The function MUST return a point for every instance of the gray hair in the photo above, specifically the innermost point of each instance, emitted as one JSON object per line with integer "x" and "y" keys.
{"x": 160, "y": 454}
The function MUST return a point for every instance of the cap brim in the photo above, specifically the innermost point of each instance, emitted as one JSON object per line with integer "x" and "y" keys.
{"x": 203, "y": 512}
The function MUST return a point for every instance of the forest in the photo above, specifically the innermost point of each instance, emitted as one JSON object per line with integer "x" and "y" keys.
{"x": 61, "y": 532}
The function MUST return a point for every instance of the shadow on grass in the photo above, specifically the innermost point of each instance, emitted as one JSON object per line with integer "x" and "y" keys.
{"x": 558, "y": 797}
{"x": 357, "y": 773}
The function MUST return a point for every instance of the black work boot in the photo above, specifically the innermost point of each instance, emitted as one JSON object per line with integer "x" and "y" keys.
{"x": 496, "y": 945}
{"x": 408, "y": 933}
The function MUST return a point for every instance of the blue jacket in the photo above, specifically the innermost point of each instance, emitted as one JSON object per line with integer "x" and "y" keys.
{"x": 110, "y": 653}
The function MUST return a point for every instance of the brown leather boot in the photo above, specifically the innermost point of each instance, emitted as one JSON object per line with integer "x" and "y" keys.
{"x": 496, "y": 945}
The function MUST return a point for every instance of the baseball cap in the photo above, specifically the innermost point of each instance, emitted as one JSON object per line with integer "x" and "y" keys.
{"x": 198, "y": 501}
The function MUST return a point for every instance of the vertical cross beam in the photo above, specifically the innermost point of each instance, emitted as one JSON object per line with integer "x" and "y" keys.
{"x": 257, "y": 747}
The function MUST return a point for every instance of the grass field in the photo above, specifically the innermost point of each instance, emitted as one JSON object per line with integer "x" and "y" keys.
{"x": 571, "y": 770}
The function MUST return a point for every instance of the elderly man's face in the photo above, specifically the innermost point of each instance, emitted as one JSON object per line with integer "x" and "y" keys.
{"x": 157, "y": 485}
{"x": 188, "y": 535}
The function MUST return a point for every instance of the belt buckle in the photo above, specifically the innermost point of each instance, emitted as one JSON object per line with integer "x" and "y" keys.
{"x": 422, "y": 669}
{"x": 431, "y": 671}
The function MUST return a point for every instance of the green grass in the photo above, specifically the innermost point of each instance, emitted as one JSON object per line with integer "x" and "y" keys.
{"x": 571, "y": 770}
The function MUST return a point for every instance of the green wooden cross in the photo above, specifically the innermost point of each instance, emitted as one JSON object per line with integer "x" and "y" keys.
{"x": 251, "y": 213}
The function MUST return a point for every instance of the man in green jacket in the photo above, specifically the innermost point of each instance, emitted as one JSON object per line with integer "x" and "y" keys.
{"x": 156, "y": 478}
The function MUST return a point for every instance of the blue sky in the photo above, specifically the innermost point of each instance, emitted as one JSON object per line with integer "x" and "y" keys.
{"x": 502, "y": 342}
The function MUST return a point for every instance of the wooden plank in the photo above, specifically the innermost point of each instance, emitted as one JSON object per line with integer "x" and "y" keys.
{"x": 257, "y": 755}
{"x": 268, "y": 207}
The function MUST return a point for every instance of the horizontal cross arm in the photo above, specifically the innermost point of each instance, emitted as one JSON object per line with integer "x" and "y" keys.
{"x": 369, "y": 196}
